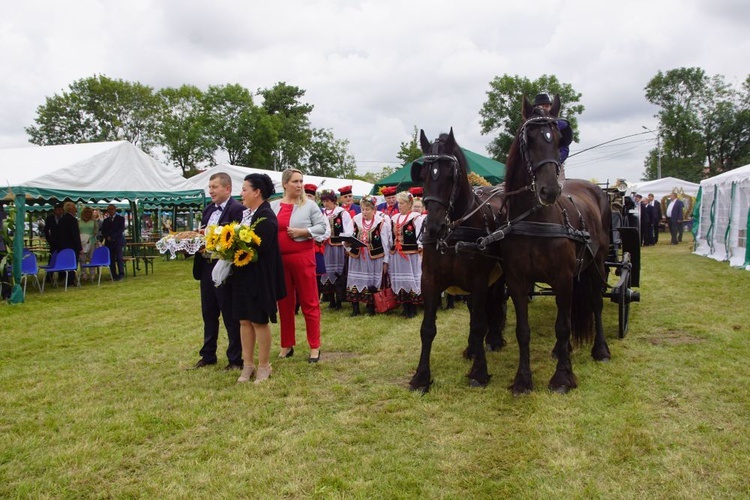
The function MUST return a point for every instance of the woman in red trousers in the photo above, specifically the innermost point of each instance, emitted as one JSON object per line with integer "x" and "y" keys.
{"x": 300, "y": 222}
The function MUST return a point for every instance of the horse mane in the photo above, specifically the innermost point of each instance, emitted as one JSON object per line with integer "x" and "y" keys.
{"x": 514, "y": 166}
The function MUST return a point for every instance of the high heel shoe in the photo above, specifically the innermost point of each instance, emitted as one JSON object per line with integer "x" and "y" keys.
{"x": 288, "y": 354}
{"x": 314, "y": 360}
{"x": 264, "y": 373}
{"x": 247, "y": 374}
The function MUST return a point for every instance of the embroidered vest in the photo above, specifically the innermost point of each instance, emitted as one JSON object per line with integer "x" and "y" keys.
{"x": 337, "y": 227}
{"x": 406, "y": 235}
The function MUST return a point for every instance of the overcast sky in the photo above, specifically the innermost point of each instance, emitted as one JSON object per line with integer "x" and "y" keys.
{"x": 375, "y": 69}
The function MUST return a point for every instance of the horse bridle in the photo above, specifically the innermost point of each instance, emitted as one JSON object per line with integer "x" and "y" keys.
{"x": 538, "y": 121}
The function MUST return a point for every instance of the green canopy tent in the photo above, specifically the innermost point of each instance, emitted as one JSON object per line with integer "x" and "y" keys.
{"x": 90, "y": 172}
{"x": 493, "y": 171}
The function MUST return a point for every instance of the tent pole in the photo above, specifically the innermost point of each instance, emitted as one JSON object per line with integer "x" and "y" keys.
{"x": 16, "y": 294}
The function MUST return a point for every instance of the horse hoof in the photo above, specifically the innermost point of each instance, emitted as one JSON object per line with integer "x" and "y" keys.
{"x": 603, "y": 360}
{"x": 563, "y": 389}
{"x": 520, "y": 391}
{"x": 422, "y": 389}
{"x": 476, "y": 383}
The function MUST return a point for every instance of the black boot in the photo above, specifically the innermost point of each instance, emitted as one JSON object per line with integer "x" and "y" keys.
{"x": 355, "y": 309}
{"x": 370, "y": 309}
{"x": 405, "y": 312}
{"x": 450, "y": 301}
{"x": 412, "y": 310}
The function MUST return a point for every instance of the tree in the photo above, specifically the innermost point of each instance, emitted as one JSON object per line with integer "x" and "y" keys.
{"x": 375, "y": 177}
{"x": 97, "y": 109}
{"x": 183, "y": 128}
{"x": 239, "y": 127}
{"x": 502, "y": 110}
{"x": 329, "y": 157}
{"x": 291, "y": 119}
{"x": 410, "y": 151}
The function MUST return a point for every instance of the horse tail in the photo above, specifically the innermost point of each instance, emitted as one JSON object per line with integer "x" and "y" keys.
{"x": 582, "y": 311}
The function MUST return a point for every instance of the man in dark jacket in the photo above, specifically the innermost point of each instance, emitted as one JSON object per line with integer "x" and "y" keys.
{"x": 214, "y": 301}
{"x": 656, "y": 219}
{"x": 68, "y": 235}
{"x": 113, "y": 233}
{"x": 674, "y": 216}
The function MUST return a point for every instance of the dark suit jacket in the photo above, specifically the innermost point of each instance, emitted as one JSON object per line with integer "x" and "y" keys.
{"x": 676, "y": 215}
{"x": 232, "y": 213}
{"x": 50, "y": 232}
{"x": 68, "y": 234}
{"x": 113, "y": 230}
{"x": 264, "y": 279}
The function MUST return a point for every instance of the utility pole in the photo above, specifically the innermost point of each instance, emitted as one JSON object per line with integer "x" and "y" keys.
{"x": 658, "y": 151}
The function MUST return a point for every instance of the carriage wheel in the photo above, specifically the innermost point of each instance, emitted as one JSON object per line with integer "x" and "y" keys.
{"x": 623, "y": 304}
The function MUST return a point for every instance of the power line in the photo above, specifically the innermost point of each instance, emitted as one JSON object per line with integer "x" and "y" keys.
{"x": 607, "y": 142}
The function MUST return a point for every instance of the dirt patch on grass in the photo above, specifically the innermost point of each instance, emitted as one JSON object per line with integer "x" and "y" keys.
{"x": 670, "y": 338}
{"x": 332, "y": 356}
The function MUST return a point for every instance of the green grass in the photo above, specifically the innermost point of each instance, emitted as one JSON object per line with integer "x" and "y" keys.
{"x": 95, "y": 401}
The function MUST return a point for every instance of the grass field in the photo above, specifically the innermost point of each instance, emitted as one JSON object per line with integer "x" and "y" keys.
{"x": 96, "y": 401}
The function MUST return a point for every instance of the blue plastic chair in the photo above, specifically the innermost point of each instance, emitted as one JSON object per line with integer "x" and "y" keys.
{"x": 29, "y": 267}
{"x": 99, "y": 259}
{"x": 65, "y": 262}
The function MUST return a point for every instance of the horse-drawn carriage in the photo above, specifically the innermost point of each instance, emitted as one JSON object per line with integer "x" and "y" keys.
{"x": 568, "y": 235}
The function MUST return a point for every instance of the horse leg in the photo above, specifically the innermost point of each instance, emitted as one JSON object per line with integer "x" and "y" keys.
{"x": 563, "y": 379}
{"x": 497, "y": 310}
{"x": 600, "y": 349}
{"x": 422, "y": 379}
{"x": 478, "y": 375}
{"x": 520, "y": 296}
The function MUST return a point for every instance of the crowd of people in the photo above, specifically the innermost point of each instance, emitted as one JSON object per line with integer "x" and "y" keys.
{"x": 63, "y": 229}
{"x": 650, "y": 217}
{"x": 336, "y": 250}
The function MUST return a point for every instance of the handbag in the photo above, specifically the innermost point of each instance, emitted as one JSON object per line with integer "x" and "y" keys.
{"x": 385, "y": 298}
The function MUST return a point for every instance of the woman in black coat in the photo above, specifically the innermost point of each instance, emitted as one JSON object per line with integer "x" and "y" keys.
{"x": 256, "y": 287}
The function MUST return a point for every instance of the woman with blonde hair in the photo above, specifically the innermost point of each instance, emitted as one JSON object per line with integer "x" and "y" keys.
{"x": 300, "y": 222}
{"x": 405, "y": 265}
{"x": 88, "y": 226}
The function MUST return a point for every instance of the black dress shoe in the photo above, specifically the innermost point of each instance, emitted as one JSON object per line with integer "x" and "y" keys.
{"x": 232, "y": 366}
{"x": 202, "y": 363}
{"x": 288, "y": 354}
{"x": 314, "y": 360}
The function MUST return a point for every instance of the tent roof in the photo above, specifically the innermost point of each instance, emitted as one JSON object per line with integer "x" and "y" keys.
{"x": 492, "y": 170}
{"x": 359, "y": 188}
{"x": 734, "y": 175}
{"x": 662, "y": 187}
{"x": 89, "y": 171}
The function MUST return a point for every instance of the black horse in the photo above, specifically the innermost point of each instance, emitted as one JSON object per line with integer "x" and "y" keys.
{"x": 556, "y": 234}
{"x": 456, "y": 214}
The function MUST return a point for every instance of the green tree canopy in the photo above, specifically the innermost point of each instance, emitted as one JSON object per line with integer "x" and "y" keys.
{"x": 292, "y": 120}
{"x": 328, "y": 156}
{"x": 183, "y": 128}
{"x": 97, "y": 109}
{"x": 410, "y": 151}
{"x": 704, "y": 124}
{"x": 501, "y": 112}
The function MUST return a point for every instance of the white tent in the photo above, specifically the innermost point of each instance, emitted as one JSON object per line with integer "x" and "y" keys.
{"x": 103, "y": 170}
{"x": 359, "y": 188}
{"x": 662, "y": 187}
{"x": 90, "y": 172}
{"x": 724, "y": 220}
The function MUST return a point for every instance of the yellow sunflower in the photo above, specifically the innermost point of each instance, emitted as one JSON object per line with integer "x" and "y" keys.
{"x": 227, "y": 238}
{"x": 255, "y": 238}
{"x": 242, "y": 258}
{"x": 245, "y": 234}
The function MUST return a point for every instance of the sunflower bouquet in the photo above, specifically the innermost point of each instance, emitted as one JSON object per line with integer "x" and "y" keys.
{"x": 232, "y": 243}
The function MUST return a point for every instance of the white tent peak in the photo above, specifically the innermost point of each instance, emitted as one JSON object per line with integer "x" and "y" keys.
{"x": 86, "y": 167}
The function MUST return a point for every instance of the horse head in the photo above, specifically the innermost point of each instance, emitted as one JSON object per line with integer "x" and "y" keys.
{"x": 535, "y": 161}
{"x": 443, "y": 172}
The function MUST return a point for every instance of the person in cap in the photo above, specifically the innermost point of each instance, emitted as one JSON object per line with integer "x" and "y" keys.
{"x": 346, "y": 198}
{"x": 311, "y": 191}
{"x": 543, "y": 101}
{"x": 333, "y": 281}
{"x": 417, "y": 203}
{"x": 368, "y": 264}
{"x": 390, "y": 206}
{"x": 405, "y": 265}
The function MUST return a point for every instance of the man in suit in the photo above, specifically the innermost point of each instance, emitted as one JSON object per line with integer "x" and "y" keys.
{"x": 674, "y": 217}
{"x": 656, "y": 219}
{"x": 113, "y": 233}
{"x": 68, "y": 235}
{"x": 50, "y": 233}
{"x": 643, "y": 217}
{"x": 214, "y": 300}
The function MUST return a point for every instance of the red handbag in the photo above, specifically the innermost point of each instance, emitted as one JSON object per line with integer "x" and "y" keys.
{"x": 385, "y": 298}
